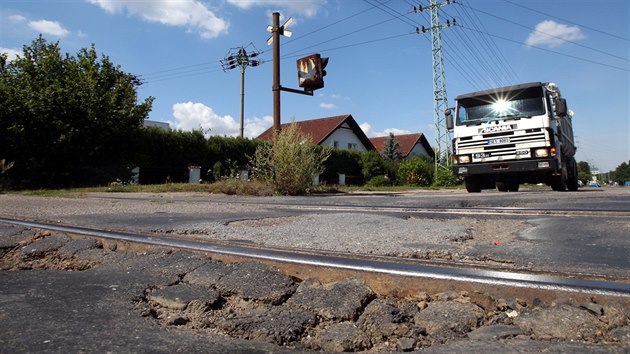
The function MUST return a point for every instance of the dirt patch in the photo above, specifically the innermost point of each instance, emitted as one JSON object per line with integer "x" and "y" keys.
{"x": 45, "y": 250}
{"x": 491, "y": 231}
{"x": 263, "y": 222}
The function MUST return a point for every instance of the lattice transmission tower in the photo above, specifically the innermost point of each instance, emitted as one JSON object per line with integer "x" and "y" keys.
{"x": 440, "y": 101}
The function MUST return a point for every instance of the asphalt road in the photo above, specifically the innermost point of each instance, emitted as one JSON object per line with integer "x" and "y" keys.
{"x": 92, "y": 310}
{"x": 592, "y": 241}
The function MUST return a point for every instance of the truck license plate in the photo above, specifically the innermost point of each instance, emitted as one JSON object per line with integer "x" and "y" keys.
{"x": 498, "y": 141}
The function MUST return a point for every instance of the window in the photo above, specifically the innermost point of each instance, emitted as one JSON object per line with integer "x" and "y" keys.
{"x": 335, "y": 144}
{"x": 352, "y": 146}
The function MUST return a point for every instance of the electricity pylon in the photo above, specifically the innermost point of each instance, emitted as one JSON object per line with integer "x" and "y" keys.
{"x": 440, "y": 101}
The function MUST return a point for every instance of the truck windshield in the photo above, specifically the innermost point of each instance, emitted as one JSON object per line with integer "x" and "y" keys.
{"x": 504, "y": 105}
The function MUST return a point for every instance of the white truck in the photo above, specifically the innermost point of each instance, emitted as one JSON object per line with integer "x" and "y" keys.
{"x": 506, "y": 136}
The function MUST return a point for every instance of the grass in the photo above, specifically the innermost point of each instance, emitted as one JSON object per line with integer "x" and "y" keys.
{"x": 131, "y": 188}
{"x": 227, "y": 186}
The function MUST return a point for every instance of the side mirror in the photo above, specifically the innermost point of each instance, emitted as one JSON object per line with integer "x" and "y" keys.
{"x": 448, "y": 115}
{"x": 561, "y": 107}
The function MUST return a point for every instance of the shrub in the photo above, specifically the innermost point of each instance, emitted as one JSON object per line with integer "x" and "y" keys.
{"x": 379, "y": 181}
{"x": 235, "y": 186}
{"x": 342, "y": 161}
{"x": 217, "y": 170}
{"x": 417, "y": 171}
{"x": 446, "y": 178}
{"x": 289, "y": 161}
{"x": 372, "y": 165}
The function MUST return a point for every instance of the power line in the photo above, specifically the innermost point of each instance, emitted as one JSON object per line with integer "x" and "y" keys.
{"x": 355, "y": 44}
{"x": 549, "y": 34}
{"x": 552, "y": 51}
{"x": 455, "y": 51}
{"x": 189, "y": 70}
{"x": 475, "y": 54}
{"x": 568, "y": 21}
{"x": 179, "y": 75}
{"x": 174, "y": 73}
{"x": 491, "y": 44}
{"x": 310, "y": 47}
{"x": 327, "y": 26}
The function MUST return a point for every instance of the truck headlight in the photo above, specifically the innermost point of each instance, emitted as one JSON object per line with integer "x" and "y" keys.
{"x": 541, "y": 153}
{"x": 464, "y": 158}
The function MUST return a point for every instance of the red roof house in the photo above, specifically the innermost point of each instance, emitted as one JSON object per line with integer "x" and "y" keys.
{"x": 341, "y": 132}
{"x": 410, "y": 145}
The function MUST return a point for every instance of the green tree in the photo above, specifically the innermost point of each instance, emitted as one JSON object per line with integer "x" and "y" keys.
{"x": 289, "y": 161}
{"x": 622, "y": 173}
{"x": 584, "y": 171}
{"x": 68, "y": 120}
{"x": 391, "y": 150}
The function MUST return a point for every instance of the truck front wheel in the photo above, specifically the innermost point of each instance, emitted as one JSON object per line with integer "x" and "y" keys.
{"x": 473, "y": 184}
{"x": 512, "y": 186}
{"x": 559, "y": 183}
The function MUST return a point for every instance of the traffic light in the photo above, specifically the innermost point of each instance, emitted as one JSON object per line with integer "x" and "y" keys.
{"x": 311, "y": 72}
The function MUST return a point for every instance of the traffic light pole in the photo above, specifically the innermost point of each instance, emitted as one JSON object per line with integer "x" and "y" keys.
{"x": 275, "y": 32}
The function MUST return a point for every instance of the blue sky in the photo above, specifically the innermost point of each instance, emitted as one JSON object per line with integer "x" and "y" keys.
{"x": 379, "y": 70}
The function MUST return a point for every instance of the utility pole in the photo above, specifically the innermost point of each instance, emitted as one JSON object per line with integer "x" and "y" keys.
{"x": 440, "y": 101}
{"x": 241, "y": 59}
{"x": 277, "y": 30}
{"x": 275, "y": 36}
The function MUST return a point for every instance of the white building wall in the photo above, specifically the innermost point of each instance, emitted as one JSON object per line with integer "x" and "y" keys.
{"x": 344, "y": 136}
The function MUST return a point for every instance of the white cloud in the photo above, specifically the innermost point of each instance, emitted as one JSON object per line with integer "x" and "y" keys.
{"x": 367, "y": 129}
{"x": 327, "y": 105}
{"x": 256, "y": 126}
{"x": 308, "y": 8}
{"x": 340, "y": 97}
{"x": 17, "y": 18}
{"x": 48, "y": 27}
{"x": 190, "y": 116}
{"x": 12, "y": 52}
{"x": 190, "y": 13}
{"x": 553, "y": 34}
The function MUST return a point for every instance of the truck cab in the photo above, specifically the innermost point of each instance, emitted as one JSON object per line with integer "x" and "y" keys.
{"x": 511, "y": 135}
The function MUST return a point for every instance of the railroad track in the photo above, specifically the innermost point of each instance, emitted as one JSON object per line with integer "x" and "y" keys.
{"x": 386, "y": 275}
{"x": 467, "y": 210}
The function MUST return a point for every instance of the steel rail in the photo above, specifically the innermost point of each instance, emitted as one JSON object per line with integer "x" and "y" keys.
{"x": 479, "y": 276}
{"x": 415, "y": 209}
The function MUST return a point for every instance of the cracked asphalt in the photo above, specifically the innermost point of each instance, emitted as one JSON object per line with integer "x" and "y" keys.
{"x": 65, "y": 294}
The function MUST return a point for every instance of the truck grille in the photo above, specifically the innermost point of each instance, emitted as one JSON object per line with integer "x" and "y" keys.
{"x": 501, "y": 145}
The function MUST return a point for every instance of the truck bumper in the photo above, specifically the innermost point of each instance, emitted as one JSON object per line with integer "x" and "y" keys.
{"x": 507, "y": 167}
